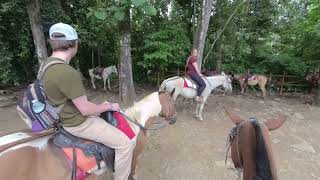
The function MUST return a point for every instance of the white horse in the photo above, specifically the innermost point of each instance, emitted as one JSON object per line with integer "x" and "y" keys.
{"x": 177, "y": 83}
{"x": 105, "y": 75}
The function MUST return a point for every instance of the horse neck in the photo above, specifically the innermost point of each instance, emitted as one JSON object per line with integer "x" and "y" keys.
{"x": 216, "y": 81}
{"x": 143, "y": 110}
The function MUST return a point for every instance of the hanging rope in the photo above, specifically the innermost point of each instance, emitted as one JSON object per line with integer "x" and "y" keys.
{"x": 224, "y": 27}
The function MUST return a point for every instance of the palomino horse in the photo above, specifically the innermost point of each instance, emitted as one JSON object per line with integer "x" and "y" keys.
{"x": 251, "y": 147}
{"x": 102, "y": 73}
{"x": 261, "y": 80}
{"x": 27, "y": 158}
{"x": 176, "y": 84}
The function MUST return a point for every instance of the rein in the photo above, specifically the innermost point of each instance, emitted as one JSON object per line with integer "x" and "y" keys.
{"x": 234, "y": 132}
{"x": 208, "y": 82}
{"x": 142, "y": 128}
{"x": 21, "y": 141}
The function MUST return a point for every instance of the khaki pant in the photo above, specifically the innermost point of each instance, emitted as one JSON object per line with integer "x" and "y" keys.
{"x": 96, "y": 129}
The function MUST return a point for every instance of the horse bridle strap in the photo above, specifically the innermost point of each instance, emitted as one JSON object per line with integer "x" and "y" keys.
{"x": 142, "y": 128}
{"x": 208, "y": 81}
{"x": 233, "y": 134}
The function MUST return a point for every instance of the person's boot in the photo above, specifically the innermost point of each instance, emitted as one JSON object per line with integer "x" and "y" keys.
{"x": 198, "y": 99}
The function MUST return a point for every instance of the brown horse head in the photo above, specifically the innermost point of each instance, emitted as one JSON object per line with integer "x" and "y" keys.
{"x": 168, "y": 109}
{"x": 251, "y": 147}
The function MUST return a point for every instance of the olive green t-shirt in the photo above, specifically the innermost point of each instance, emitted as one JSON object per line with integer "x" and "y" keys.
{"x": 62, "y": 83}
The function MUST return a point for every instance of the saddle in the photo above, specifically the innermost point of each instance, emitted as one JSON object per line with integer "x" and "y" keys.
{"x": 250, "y": 78}
{"x": 89, "y": 156}
{"x": 189, "y": 83}
{"x": 98, "y": 71}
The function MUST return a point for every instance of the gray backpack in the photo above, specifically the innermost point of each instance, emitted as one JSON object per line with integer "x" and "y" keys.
{"x": 33, "y": 106}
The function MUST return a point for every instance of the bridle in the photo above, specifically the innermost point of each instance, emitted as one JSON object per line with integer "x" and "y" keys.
{"x": 234, "y": 132}
{"x": 171, "y": 119}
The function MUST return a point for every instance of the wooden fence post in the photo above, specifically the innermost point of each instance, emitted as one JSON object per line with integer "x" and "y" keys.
{"x": 269, "y": 83}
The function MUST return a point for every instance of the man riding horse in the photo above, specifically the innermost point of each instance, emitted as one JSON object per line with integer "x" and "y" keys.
{"x": 63, "y": 85}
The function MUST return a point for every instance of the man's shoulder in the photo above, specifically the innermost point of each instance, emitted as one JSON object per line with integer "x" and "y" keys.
{"x": 62, "y": 67}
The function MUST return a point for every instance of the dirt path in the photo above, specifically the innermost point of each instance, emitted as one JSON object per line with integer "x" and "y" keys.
{"x": 194, "y": 150}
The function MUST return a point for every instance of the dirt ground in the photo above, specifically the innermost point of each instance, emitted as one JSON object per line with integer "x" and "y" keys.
{"x": 194, "y": 150}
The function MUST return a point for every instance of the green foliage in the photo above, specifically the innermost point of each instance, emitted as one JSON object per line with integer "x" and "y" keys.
{"x": 263, "y": 36}
{"x": 166, "y": 49}
{"x": 7, "y": 73}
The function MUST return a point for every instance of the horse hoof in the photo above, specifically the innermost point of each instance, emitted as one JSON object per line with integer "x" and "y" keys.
{"x": 200, "y": 118}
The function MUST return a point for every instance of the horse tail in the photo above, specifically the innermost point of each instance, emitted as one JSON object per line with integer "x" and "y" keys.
{"x": 262, "y": 161}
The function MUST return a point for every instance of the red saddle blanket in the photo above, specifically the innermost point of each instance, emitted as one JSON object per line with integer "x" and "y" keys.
{"x": 253, "y": 77}
{"x": 189, "y": 83}
{"x": 84, "y": 163}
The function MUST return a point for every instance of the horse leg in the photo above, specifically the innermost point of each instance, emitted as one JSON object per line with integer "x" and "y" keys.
{"x": 109, "y": 84}
{"x": 241, "y": 86}
{"x": 104, "y": 83}
{"x": 92, "y": 81}
{"x": 136, "y": 153}
{"x": 201, "y": 108}
{"x": 197, "y": 110}
{"x": 263, "y": 89}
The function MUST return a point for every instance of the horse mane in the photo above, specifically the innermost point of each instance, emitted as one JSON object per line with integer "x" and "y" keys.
{"x": 262, "y": 161}
{"x": 166, "y": 103}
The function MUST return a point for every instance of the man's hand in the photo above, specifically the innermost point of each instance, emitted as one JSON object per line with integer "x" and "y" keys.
{"x": 114, "y": 107}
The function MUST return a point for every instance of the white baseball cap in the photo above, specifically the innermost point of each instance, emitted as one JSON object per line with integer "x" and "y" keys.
{"x": 61, "y": 31}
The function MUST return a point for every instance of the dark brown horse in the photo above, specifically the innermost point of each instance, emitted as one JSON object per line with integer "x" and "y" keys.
{"x": 251, "y": 147}
{"x": 24, "y": 155}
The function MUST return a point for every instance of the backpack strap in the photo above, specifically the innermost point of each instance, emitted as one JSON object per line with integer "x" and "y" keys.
{"x": 44, "y": 66}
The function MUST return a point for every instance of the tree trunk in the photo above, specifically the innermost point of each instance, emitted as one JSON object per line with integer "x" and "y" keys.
{"x": 202, "y": 28}
{"x": 219, "y": 60}
{"x": 194, "y": 30}
{"x": 33, "y": 8}
{"x": 126, "y": 87}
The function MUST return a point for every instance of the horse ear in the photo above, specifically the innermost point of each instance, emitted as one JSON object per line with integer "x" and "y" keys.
{"x": 234, "y": 118}
{"x": 275, "y": 123}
